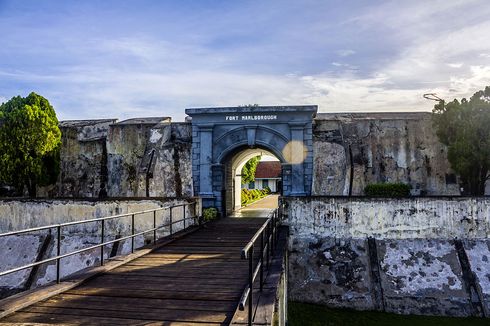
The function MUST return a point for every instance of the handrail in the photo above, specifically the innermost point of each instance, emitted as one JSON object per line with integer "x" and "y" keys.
{"x": 268, "y": 239}
{"x": 59, "y": 227}
{"x": 52, "y": 226}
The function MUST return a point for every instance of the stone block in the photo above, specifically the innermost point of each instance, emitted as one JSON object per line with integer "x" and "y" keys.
{"x": 422, "y": 277}
{"x": 329, "y": 271}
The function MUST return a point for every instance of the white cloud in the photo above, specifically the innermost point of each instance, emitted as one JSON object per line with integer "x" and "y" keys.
{"x": 455, "y": 65}
{"x": 432, "y": 48}
{"x": 345, "y": 52}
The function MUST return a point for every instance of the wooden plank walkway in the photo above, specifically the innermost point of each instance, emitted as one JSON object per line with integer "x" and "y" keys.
{"x": 196, "y": 280}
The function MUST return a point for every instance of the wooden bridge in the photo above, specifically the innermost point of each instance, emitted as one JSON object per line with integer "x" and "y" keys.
{"x": 197, "y": 279}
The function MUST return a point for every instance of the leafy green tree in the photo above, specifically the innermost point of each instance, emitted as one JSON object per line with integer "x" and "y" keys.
{"x": 248, "y": 170}
{"x": 29, "y": 143}
{"x": 465, "y": 128}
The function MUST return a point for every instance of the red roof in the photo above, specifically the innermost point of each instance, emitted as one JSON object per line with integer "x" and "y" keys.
{"x": 268, "y": 169}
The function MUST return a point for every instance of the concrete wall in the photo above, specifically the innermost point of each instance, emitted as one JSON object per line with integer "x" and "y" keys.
{"x": 410, "y": 256}
{"x": 152, "y": 156}
{"x": 83, "y": 164}
{"x": 354, "y": 150}
{"x": 27, "y": 248}
{"x": 148, "y": 157}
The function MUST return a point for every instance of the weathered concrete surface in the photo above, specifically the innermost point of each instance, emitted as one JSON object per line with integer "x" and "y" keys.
{"x": 439, "y": 218}
{"x": 149, "y": 158}
{"x": 413, "y": 266}
{"x": 379, "y": 147}
{"x": 83, "y": 164}
{"x": 422, "y": 277}
{"x": 171, "y": 169}
{"x": 329, "y": 271}
{"x": 478, "y": 252}
{"x": 26, "y": 248}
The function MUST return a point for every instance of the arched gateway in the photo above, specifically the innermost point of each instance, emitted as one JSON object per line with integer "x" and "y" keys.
{"x": 223, "y": 138}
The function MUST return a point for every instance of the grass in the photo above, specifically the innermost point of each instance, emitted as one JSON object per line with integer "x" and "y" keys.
{"x": 314, "y": 315}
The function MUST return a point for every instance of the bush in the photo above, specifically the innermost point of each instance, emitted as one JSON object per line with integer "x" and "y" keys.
{"x": 251, "y": 195}
{"x": 387, "y": 190}
{"x": 209, "y": 214}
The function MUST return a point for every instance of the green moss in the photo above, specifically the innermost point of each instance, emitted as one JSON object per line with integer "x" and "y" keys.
{"x": 300, "y": 314}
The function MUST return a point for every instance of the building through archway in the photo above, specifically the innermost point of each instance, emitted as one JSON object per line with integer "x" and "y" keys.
{"x": 222, "y": 138}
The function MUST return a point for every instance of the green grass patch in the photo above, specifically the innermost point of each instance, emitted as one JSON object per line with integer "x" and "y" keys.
{"x": 300, "y": 314}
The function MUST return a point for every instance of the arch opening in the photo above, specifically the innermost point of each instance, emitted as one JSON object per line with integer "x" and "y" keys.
{"x": 268, "y": 174}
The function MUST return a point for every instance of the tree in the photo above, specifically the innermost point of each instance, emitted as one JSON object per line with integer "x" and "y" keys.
{"x": 248, "y": 170}
{"x": 29, "y": 143}
{"x": 465, "y": 128}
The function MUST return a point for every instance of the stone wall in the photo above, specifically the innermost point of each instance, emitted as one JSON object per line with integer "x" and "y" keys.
{"x": 410, "y": 256}
{"x": 148, "y": 157}
{"x": 26, "y": 248}
{"x": 354, "y": 150}
{"x": 152, "y": 156}
{"x": 83, "y": 164}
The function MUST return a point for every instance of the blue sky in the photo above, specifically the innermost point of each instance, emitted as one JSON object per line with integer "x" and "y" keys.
{"x": 123, "y": 59}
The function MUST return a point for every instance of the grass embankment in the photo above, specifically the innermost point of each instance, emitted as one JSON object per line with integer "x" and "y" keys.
{"x": 250, "y": 196}
{"x": 301, "y": 314}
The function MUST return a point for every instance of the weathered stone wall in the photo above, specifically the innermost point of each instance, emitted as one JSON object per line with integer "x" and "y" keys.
{"x": 152, "y": 156}
{"x": 171, "y": 168}
{"x": 354, "y": 150}
{"x": 148, "y": 157}
{"x": 83, "y": 164}
{"x": 403, "y": 256}
{"x": 26, "y": 248}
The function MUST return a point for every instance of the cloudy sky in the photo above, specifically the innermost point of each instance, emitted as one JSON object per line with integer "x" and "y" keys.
{"x": 122, "y": 59}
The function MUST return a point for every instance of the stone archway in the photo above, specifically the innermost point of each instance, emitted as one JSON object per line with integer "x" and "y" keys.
{"x": 219, "y": 133}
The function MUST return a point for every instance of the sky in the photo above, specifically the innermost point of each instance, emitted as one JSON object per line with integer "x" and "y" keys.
{"x": 124, "y": 59}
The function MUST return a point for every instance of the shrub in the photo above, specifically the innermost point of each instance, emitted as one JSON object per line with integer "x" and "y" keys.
{"x": 209, "y": 214}
{"x": 387, "y": 190}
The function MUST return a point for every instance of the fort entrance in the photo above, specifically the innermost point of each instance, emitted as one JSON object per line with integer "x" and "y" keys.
{"x": 223, "y": 139}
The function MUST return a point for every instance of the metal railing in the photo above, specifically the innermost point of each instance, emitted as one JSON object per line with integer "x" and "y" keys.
{"x": 102, "y": 220}
{"x": 268, "y": 239}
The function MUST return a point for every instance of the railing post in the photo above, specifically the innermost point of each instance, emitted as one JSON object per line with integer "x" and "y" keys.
{"x": 171, "y": 221}
{"x": 261, "y": 260}
{"x": 268, "y": 238}
{"x": 154, "y": 226}
{"x": 132, "y": 233}
{"x": 184, "y": 215}
{"x": 102, "y": 230}
{"x": 58, "y": 252}
{"x": 250, "y": 284}
{"x": 273, "y": 229}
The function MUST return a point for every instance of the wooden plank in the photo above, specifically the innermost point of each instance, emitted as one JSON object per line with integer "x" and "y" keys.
{"x": 203, "y": 248}
{"x": 68, "y": 300}
{"x": 157, "y": 281}
{"x": 168, "y": 271}
{"x": 189, "y": 264}
{"x": 155, "y": 294}
{"x": 154, "y": 315}
{"x": 27, "y": 319}
{"x": 186, "y": 276}
{"x": 162, "y": 286}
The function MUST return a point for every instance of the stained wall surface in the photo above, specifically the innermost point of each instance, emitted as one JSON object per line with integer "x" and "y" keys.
{"x": 153, "y": 156}
{"x": 354, "y": 150}
{"x": 409, "y": 256}
{"x": 148, "y": 157}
